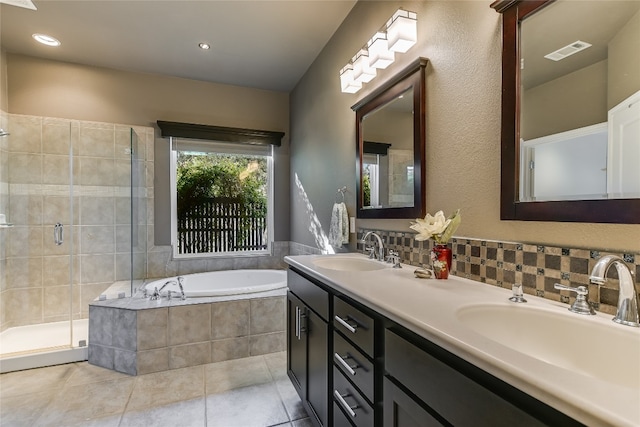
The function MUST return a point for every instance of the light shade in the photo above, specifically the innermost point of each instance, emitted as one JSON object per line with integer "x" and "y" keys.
{"x": 362, "y": 71}
{"x": 347, "y": 82}
{"x": 379, "y": 54}
{"x": 402, "y": 30}
{"x": 45, "y": 39}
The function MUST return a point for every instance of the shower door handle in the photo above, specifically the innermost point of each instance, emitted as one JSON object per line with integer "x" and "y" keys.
{"x": 58, "y": 234}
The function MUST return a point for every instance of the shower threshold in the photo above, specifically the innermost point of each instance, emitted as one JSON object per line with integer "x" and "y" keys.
{"x": 32, "y": 346}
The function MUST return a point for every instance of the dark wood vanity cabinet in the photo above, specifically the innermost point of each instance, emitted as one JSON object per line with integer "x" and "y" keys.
{"x": 308, "y": 345}
{"x": 353, "y": 367}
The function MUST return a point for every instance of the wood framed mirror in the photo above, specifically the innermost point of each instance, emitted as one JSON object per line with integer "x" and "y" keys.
{"x": 603, "y": 206}
{"x": 390, "y": 147}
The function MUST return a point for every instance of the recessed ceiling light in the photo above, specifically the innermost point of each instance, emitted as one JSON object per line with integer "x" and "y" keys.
{"x": 45, "y": 39}
{"x": 204, "y": 46}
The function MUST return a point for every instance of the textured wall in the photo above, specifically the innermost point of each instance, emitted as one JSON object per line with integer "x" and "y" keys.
{"x": 462, "y": 41}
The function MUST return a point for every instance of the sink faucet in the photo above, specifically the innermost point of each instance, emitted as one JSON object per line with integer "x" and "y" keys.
{"x": 627, "y": 297}
{"x": 380, "y": 255}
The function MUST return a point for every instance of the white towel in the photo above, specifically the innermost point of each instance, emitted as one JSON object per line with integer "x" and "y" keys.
{"x": 339, "y": 228}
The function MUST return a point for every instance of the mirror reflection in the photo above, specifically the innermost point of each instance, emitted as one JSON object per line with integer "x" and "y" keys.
{"x": 580, "y": 102}
{"x": 387, "y": 155}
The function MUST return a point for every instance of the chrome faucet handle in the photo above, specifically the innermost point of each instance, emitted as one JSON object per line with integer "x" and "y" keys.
{"x": 371, "y": 250}
{"x": 581, "y": 304}
{"x": 518, "y": 293}
{"x": 394, "y": 257}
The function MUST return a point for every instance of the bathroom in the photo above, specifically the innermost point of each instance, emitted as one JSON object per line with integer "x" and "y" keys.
{"x": 461, "y": 40}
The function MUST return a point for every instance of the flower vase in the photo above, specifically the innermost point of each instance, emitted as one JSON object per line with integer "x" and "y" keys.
{"x": 442, "y": 257}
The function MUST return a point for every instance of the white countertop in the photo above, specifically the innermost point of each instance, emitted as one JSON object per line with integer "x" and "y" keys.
{"x": 429, "y": 308}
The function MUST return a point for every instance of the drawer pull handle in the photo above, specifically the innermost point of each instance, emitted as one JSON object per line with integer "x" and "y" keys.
{"x": 343, "y": 362}
{"x": 344, "y": 323}
{"x": 340, "y": 398}
{"x": 300, "y": 328}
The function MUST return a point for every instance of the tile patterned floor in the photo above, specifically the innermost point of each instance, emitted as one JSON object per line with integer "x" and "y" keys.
{"x": 250, "y": 392}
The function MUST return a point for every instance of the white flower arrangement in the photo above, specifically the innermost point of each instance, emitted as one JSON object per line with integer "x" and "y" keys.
{"x": 436, "y": 227}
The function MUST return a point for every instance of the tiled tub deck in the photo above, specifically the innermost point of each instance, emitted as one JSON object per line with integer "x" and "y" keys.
{"x": 137, "y": 336}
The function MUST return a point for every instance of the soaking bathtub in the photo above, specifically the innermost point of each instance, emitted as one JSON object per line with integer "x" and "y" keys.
{"x": 222, "y": 283}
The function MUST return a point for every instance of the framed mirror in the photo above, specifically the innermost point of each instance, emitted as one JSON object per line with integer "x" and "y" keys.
{"x": 570, "y": 144}
{"x": 390, "y": 141}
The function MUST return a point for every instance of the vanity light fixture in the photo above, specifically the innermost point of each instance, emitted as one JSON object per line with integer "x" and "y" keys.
{"x": 379, "y": 54}
{"x": 362, "y": 71}
{"x": 347, "y": 83}
{"x": 204, "y": 46}
{"x": 398, "y": 34}
{"x": 47, "y": 40}
{"x": 402, "y": 30}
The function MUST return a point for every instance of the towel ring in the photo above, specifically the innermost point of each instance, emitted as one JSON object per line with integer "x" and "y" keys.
{"x": 342, "y": 191}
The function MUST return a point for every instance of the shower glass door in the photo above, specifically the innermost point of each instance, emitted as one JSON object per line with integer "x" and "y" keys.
{"x": 37, "y": 243}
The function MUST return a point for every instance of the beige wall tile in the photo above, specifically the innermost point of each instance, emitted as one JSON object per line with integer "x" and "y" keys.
{"x": 229, "y": 349}
{"x": 24, "y": 272}
{"x": 267, "y": 315}
{"x": 25, "y": 210}
{"x": 152, "y": 328}
{"x": 98, "y": 239}
{"x": 122, "y": 142}
{"x": 26, "y": 134}
{"x": 189, "y": 355}
{"x": 56, "y": 300}
{"x": 189, "y": 324}
{"x": 56, "y": 136}
{"x": 25, "y": 168}
{"x": 267, "y": 343}
{"x": 24, "y": 306}
{"x": 56, "y": 169}
{"x": 97, "y": 210}
{"x": 229, "y": 319}
{"x": 22, "y": 241}
{"x": 97, "y": 268}
{"x": 96, "y": 171}
{"x": 57, "y": 270}
{"x": 96, "y": 140}
{"x": 58, "y": 209}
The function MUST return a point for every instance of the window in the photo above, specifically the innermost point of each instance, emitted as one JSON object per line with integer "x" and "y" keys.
{"x": 221, "y": 198}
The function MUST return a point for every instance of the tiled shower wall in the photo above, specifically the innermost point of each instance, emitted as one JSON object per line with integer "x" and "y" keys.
{"x": 35, "y": 181}
{"x": 4, "y": 199}
{"x": 537, "y": 267}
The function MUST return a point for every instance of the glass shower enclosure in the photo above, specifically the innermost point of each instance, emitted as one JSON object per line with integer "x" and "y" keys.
{"x": 73, "y": 196}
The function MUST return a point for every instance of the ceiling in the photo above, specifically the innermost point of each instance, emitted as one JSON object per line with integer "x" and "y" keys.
{"x": 261, "y": 44}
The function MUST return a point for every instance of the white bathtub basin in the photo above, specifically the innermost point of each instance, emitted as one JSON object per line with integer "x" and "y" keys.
{"x": 349, "y": 263}
{"x": 587, "y": 345}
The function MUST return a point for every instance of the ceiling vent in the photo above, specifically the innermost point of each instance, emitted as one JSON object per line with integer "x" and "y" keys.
{"x": 27, "y": 4}
{"x": 568, "y": 50}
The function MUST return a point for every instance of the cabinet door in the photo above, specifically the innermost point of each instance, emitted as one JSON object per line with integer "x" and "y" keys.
{"x": 400, "y": 410}
{"x": 296, "y": 345}
{"x": 317, "y": 368}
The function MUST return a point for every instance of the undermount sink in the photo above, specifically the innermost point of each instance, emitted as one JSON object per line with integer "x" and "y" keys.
{"x": 345, "y": 263}
{"x": 581, "y": 344}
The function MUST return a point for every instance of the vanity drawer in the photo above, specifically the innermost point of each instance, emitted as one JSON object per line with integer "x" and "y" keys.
{"x": 353, "y": 365}
{"x": 450, "y": 393}
{"x": 354, "y": 324}
{"x": 312, "y": 295}
{"x": 351, "y": 403}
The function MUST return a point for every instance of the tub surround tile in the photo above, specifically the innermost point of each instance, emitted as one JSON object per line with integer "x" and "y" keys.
{"x": 230, "y": 319}
{"x": 267, "y": 343}
{"x": 266, "y": 315}
{"x": 189, "y": 323}
{"x": 229, "y": 349}
{"x": 137, "y": 336}
{"x": 150, "y": 361}
{"x": 189, "y": 355}
{"x": 152, "y": 328}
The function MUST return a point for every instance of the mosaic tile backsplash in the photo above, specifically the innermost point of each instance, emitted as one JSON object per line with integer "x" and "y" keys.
{"x": 537, "y": 267}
